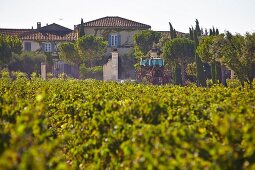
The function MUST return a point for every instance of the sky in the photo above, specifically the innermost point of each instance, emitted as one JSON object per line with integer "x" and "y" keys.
{"x": 236, "y": 16}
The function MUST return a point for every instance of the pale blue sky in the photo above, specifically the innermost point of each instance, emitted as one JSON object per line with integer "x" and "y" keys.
{"x": 233, "y": 15}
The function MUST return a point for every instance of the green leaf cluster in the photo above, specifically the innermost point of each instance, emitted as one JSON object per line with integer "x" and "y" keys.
{"x": 72, "y": 124}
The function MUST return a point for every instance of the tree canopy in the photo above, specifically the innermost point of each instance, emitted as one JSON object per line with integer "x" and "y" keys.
{"x": 68, "y": 53}
{"x": 86, "y": 49}
{"x": 144, "y": 40}
{"x": 81, "y": 29}
{"x": 8, "y": 45}
{"x": 91, "y": 48}
{"x": 181, "y": 51}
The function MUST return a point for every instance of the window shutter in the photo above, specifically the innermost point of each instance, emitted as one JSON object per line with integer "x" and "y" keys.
{"x": 53, "y": 49}
{"x": 43, "y": 47}
{"x": 109, "y": 40}
{"x": 119, "y": 40}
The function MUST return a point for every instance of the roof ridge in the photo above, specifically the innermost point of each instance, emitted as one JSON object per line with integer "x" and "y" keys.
{"x": 114, "y": 21}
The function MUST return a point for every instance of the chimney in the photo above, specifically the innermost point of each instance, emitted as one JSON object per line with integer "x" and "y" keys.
{"x": 38, "y": 25}
{"x": 154, "y": 53}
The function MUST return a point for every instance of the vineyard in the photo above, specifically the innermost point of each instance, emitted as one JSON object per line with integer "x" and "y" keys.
{"x": 71, "y": 124}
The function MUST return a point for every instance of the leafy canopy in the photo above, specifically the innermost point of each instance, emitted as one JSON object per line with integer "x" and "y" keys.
{"x": 144, "y": 41}
{"x": 181, "y": 50}
{"x": 8, "y": 45}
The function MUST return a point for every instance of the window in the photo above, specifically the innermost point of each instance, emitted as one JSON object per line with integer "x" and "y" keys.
{"x": 114, "y": 40}
{"x": 27, "y": 46}
{"x": 47, "y": 47}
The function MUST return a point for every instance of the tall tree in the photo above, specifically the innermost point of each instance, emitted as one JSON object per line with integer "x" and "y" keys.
{"x": 181, "y": 51}
{"x": 81, "y": 29}
{"x": 217, "y": 49}
{"x": 249, "y": 56}
{"x": 172, "y": 31}
{"x": 8, "y": 46}
{"x": 143, "y": 42}
{"x": 69, "y": 54}
{"x": 91, "y": 49}
{"x": 199, "y": 64}
{"x": 201, "y": 81}
{"x": 191, "y": 33}
{"x": 204, "y": 51}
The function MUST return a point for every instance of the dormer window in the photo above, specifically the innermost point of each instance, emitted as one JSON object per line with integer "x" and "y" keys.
{"x": 47, "y": 47}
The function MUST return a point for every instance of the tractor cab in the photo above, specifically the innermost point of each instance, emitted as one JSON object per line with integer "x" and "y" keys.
{"x": 152, "y": 62}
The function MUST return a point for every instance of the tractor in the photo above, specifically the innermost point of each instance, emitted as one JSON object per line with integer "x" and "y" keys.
{"x": 152, "y": 70}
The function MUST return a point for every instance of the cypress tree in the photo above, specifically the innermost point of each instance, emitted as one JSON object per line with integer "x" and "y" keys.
{"x": 191, "y": 31}
{"x": 198, "y": 30}
{"x": 177, "y": 75}
{"x": 217, "y": 32}
{"x": 214, "y": 32}
{"x": 213, "y": 72}
{"x": 211, "y": 32}
{"x": 171, "y": 31}
{"x": 81, "y": 29}
{"x": 206, "y": 32}
{"x": 174, "y": 34}
{"x": 200, "y": 69}
{"x": 177, "y": 68}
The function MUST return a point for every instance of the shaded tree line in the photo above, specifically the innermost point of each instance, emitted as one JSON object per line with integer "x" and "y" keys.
{"x": 214, "y": 53}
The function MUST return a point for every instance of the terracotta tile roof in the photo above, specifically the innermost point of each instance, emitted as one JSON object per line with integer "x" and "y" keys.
{"x": 13, "y": 32}
{"x": 116, "y": 22}
{"x": 45, "y": 36}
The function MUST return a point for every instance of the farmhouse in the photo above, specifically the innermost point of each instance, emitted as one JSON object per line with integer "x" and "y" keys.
{"x": 119, "y": 32}
{"x": 45, "y": 39}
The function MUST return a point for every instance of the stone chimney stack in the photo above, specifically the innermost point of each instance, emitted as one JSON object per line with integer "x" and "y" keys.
{"x": 38, "y": 25}
{"x": 115, "y": 64}
{"x": 154, "y": 53}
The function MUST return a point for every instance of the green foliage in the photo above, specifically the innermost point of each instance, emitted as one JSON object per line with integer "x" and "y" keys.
{"x": 203, "y": 49}
{"x": 71, "y": 124}
{"x": 69, "y": 53}
{"x": 27, "y": 62}
{"x": 93, "y": 72}
{"x": 248, "y": 57}
{"x": 172, "y": 31}
{"x": 8, "y": 45}
{"x": 181, "y": 51}
{"x": 143, "y": 42}
{"x": 91, "y": 48}
{"x": 234, "y": 51}
{"x": 201, "y": 78}
{"x": 81, "y": 29}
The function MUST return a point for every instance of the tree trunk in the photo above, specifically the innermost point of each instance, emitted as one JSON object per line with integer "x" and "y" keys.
{"x": 77, "y": 71}
{"x": 242, "y": 83}
{"x": 218, "y": 72}
{"x": 200, "y": 72}
{"x": 177, "y": 74}
{"x": 251, "y": 86}
{"x": 183, "y": 72}
{"x": 223, "y": 77}
{"x": 251, "y": 75}
{"x": 213, "y": 72}
{"x": 232, "y": 74}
